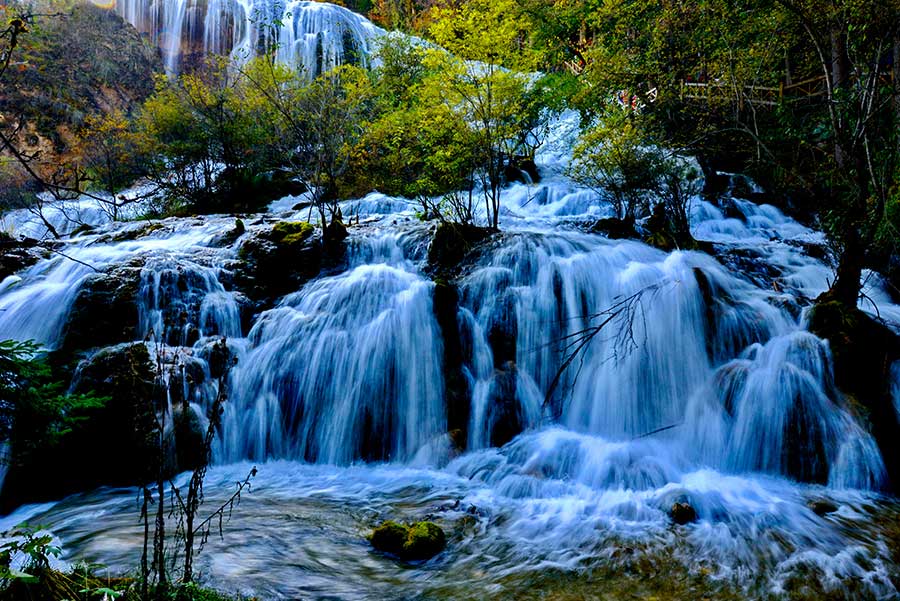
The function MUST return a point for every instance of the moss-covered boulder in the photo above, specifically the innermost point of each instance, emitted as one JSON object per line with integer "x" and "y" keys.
{"x": 419, "y": 541}
{"x": 389, "y": 537}
{"x": 277, "y": 260}
{"x": 424, "y": 541}
{"x": 290, "y": 233}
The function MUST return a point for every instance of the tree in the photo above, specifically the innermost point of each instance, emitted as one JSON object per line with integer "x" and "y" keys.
{"x": 114, "y": 157}
{"x": 483, "y": 41}
{"x": 210, "y": 139}
{"x": 615, "y": 157}
{"x": 836, "y": 146}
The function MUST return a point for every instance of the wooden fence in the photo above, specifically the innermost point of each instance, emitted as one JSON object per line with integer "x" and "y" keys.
{"x": 761, "y": 95}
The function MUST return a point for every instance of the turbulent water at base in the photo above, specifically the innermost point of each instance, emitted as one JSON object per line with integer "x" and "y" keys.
{"x": 714, "y": 394}
{"x": 314, "y": 36}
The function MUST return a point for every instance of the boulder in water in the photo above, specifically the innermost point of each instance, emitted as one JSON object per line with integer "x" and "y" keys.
{"x": 419, "y": 541}
{"x": 863, "y": 349}
{"x": 105, "y": 312}
{"x": 278, "y": 260}
{"x": 451, "y": 243}
{"x": 615, "y": 228}
{"x": 389, "y": 537}
{"x": 16, "y": 255}
{"x": 424, "y": 541}
{"x": 683, "y": 513}
{"x": 821, "y": 507}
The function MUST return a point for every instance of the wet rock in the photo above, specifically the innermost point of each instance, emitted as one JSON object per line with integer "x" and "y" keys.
{"x": 190, "y": 449}
{"x": 450, "y": 245}
{"x": 419, "y": 541}
{"x": 336, "y": 231}
{"x": 821, "y": 507}
{"x": 424, "y": 541}
{"x": 503, "y": 330}
{"x": 505, "y": 417}
{"x": 863, "y": 350}
{"x": 105, "y": 311}
{"x": 456, "y": 386}
{"x": 731, "y": 210}
{"x": 683, "y": 513}
{"x": 615, "y": 228}
{"x": 16, "y": 255}
{"x": 522, "y": 169}
{"x": 389, "y": 537}
{"x": 277, "y": 260}
{"x": 231, "y": 236}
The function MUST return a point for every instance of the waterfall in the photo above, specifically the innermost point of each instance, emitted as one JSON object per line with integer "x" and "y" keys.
{"x": 312, "y": 36}
{"x": 348, "y": 368}
{"x": 705, "y": 387}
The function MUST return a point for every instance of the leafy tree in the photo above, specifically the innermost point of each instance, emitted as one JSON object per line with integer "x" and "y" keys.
{"x": 210, "y": 138}
{"x": 616, "y": 158}
{"x": 113, "y": 155}
{"x": 484, "y": 41}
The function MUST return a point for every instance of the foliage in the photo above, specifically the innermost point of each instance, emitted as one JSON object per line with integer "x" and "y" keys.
{"x": 473, "y": 77}
{"x": 114, "y": 157}
{"x": 210, "y": 137}
{"x": 616, "y": 157}
{"x": 36, "y": 413}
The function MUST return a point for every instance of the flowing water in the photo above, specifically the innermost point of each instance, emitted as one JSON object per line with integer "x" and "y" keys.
{"x": 707, "y": 389}
{"x": 312, "y": 36}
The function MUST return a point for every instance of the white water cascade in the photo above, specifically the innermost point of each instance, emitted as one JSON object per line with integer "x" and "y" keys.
{"x": 312, "y": 36}
{"x": 708, "y": 390}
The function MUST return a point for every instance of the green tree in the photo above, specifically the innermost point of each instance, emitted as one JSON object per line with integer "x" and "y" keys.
{"x": 475, "y": 74}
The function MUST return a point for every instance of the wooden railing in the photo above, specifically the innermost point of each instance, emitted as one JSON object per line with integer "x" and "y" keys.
{"x": 761, "y": 95}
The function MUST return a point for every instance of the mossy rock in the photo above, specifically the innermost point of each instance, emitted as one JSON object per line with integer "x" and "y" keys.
{"x": 419, "y": 541}
{"x": 291, "y": 232}
{"x": 389, "y": 537}
{"x": 424, "y": 541}
{"x": 277, "y": 261}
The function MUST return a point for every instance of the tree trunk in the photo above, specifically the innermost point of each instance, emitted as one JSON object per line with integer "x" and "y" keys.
{"x": 840, "y": 77}
{"x": 846, "y": 287}
{"x": 895, "y": 76}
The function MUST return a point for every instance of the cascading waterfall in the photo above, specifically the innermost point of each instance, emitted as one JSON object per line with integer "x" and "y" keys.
{"x": 348, "y": 368}
{"x": 312, "y": 36}
{"x": 706, "y": 388}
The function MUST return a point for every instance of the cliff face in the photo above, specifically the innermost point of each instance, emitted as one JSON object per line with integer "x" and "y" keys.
{"x": 80, "y": 61}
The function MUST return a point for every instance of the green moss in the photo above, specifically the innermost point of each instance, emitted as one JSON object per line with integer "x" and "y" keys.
{"x": 422, "y": 540}
{"x": 291, "y": 232}
{"x": 389, "y": 537}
